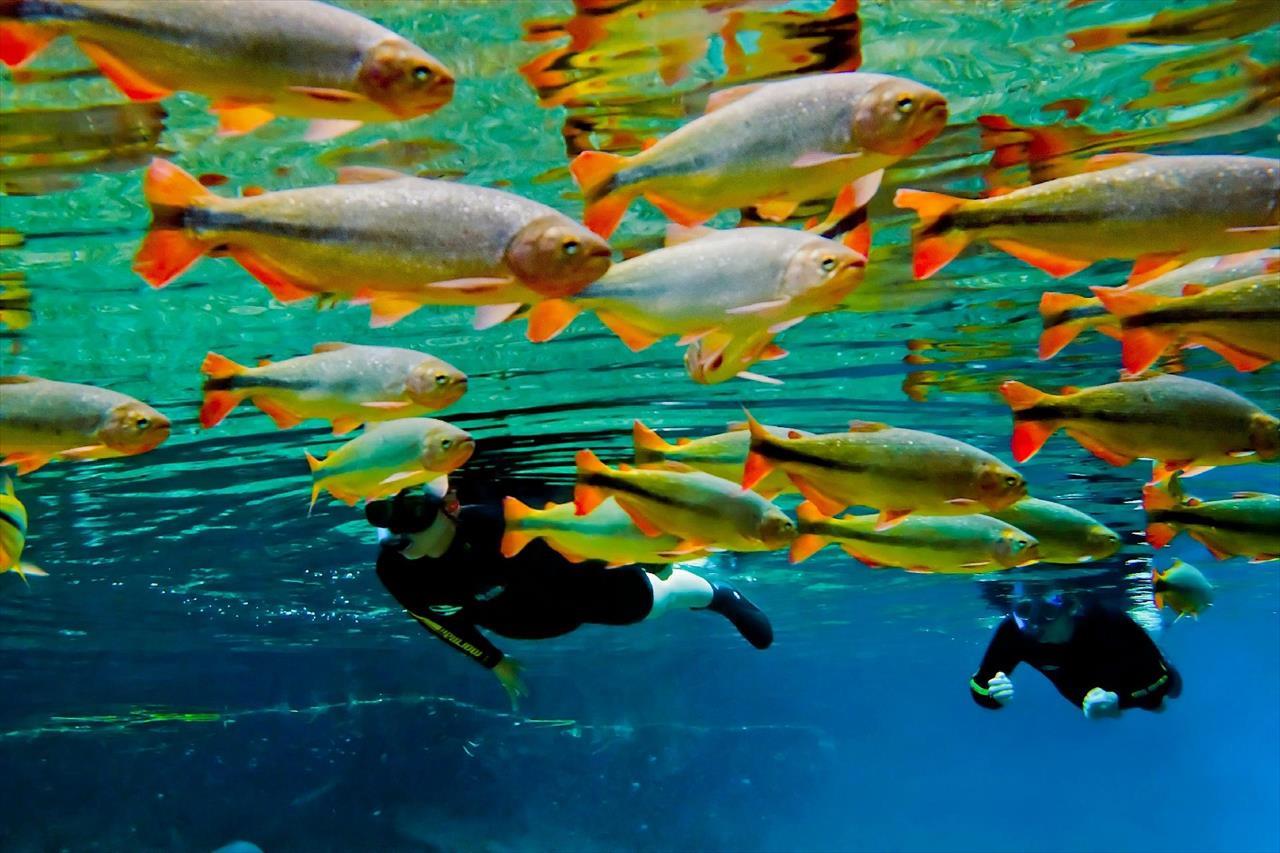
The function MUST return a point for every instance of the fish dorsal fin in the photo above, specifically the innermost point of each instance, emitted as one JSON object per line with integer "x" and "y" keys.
{"x": 722, "y": 99}
{"x": 1098, "y": 162}
{"x": 1193, "y": 289}
{"x": 264, "y": 362}
{"x": 550, "y": 505}
{"x": 18, "y": 379}
{"x": 1070, "y": 389}
{"x": 367, "y": 175}
{"x": 866, "y": 426}
{"x": 677, "y": 234}
{"x": 329, "y": 346}
{"x": 683, "y": 440}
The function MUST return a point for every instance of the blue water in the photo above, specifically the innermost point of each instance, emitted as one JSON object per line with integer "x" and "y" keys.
{"x": 205, "y": 662}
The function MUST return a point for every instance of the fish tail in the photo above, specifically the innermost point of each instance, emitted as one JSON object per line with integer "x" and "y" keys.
{"x": 513, "y": 541}
{"x": 1140, "y": 346}
{"x": 315, "y": 465}
{"x": 1124, "y": 302}
{"x": 934, "y": 244}
{"x": 757, "y": 467}
{"x": 21, "y": 40}
{"x": 1097, "y": 38}
{"x": 587, "y": 497}
{"x": 168, "y": 249}
{"x": 1028, "y": 436}
{"x": 219, "y": 400}
{"x": 650, "y": 447}
{"x": 550, "y": 318}
{"x": 597, "y": 175}
{"x": 805, "y": 546}
{"x": 1058, "y": 333}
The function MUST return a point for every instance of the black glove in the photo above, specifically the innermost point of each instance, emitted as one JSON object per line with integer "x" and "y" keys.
{"x": 404, "y": 513}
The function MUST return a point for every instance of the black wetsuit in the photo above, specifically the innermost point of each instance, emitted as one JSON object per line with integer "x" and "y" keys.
{"x": 534, "y": 595}
{"x": 1107, "y": 649}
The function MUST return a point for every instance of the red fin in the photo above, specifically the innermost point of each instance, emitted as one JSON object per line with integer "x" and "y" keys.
{"x": 1058, "y": 266}
{"x": 1245, "y": 362}
{"x": 1097, "y": 38}
{"x": 933, "y": 253}
{"x": 166, "y": 254}
{"x": 1159, "y": 535}
{"x": 859, "y": 239}
{"x": 342, "y": 426}
{"x": 602, "y": 216}
{"x": 550, "y": 318}
{"x": 25, "y": 462}
{"x": 826, "y": 505}
{"x": 1154, "y": 497}
{"x": 1141, "y": 348}
{"x": 1054, "y": 338}
{"x": 678, "y": 212}
{"x": 281, "y": 286}
{"x": 633, "y": 336}
{"x": 1193, "y": 289}
{"x": 1148, "y": 267}
{"x": 641, "y": 521}
{"x": 220, "y": 367}
{"x": 512, "y": 540}
{"x": 217, "y": 405}
{"x": 774, "y": 210}
{"x": 1053, "y": 304}
{"x": 587, "y": 498}
{"x": 890, "y": 518}
{"x": 1100, "y": 450}
{"x": 805, "y": 546}
{"x": 1124, "y": 302}
{"x": 593, "y": 170}
{"x": 233, "y": 121}
{"x": 284, "y": 418}
{"x": 649, "y": 446}
{"x": 1021, "y": 396}
{"x": 129, "y": 81}
{"x": 19, "y": 42}
{"x": 1029, "y": 437}
{"x": 928, "y": 206}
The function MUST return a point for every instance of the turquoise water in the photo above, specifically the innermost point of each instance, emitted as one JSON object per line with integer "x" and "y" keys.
{"x": 206, "y": 662}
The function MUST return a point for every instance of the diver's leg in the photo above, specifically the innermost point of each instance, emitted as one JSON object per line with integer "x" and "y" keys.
{"x": 683, "y": 589}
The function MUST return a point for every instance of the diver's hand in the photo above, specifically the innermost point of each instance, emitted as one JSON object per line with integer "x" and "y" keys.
{"x": 508, "y": 673}
{"x": 1099, "y": 703}
{"x": 1000, "y": 688}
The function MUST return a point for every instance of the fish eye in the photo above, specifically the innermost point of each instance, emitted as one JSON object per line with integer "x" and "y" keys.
{"x": 446, "y": 444}
{"x": 142, "y": 423}
{"x": 905, "y": 104}
{"x": 828, "y": 264}
{"x": 1011, "y": 481}
{"x": 442, "y": 379}
{"x": 422, "y": 74}
{"x": 571, "y": 246}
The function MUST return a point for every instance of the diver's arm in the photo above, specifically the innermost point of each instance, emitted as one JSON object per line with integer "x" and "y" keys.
{"x": 1002, "y": 656}
{"x": 462, "y": 635}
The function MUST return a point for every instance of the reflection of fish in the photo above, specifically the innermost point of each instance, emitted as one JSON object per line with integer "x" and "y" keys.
{"x": 967, "y": 544}
{"x": 1239, "y": 320}
{"x": 41, "y": 419}
{"x": 1066, "y": 315}
{"x": 769, "y": 146}
{"x": 1159, "y": 211}
{"x": 897, "y": 471}
{"x": 390, "y": 457}
{"x": 13, "y": 534}
{"x": 254, "y": 60}
{"x": 718, "y": 357}
{"x": 1178, "y": 422}
{"x": 1246, "y": 524}
{"x": 15, "y": 301}
{"x": 733, "y": 282}
{"x": 347, "y": 384}
{"x": 605, "y": 533}
{"x": 1226, "y": 20}
{"x": 1066, "y": 535}
{"x": 701, "y": 509}
{"x": 401, "y": 242}
{"x": 1182, "y": 587}
{"x": 722, "y": 455}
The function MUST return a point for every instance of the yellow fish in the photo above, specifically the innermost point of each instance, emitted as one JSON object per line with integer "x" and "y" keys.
{"x": 1247, "y": 524}
{"x": 389, "y": 457}
{"x": 897, "y": 471}
{"x": 13, "y": 534}
{"x": 605, "y": 533}
{"x": 347, "y": 384}
{"x": 1066, "y": 534}
{"x": 254, "y": 60}
{"x": 41, "y": 419}
{"x": 700, "y": 509}
{"x": 1182, "y": 587}
{"x": 723, "y": 455}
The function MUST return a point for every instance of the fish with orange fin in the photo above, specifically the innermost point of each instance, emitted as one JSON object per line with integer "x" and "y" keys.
{"x": 395, "y": 241}
{"x": 701, "y": 509}
{"x": 897, "y": 471}
{"x": 13, "y": 534}
{"x": 1066, "y": 315}
{"x": 1181, "y": 424}
{"x": 1183, "y": 588}
{"x": 722, "y": 455}
{"x": 1160, "y": 212}
{"x": 254, "y": 60}
{"x": 719, "y": 357}
{"x": 41, "y": 419}
{"x": 606, "y": 533}
{"x": 1240, "y": 321}
{"x": 1211, "y": 22}
{"x": 346, "y": 384}
{"x": 770, "y": 146}
{"x": 1245, "y": 525}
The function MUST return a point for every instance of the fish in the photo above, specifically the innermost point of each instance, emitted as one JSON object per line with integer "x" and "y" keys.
{"x": 1066, "y": 315}
{"x": 897, "y": 471}
{"x": 606, "y": 533}
{"x": 42, "y": 419}
{"x": 963, "y": 544}
{"x": 770, "y": 146}
{"x": 722, "y": 455}
{"x": 1239, "y": 320}
{"x": 389, "y": 457}
{"x": 1179, "y": 423}
{"x": 719, "y": 357}
{"x": 735, "y": 283}
{"x": 346, "y": 384}
{"x": 1183, "y": 588}
{"x": 1215, "y": 21}
{"x": 396, "y": 241}
{"x": 253, "y": 60}
{"x": 701, "y": 509}
{"x": 1065, "y": 534}
{"x": 1160, "y": 212}
{"x": 13, "y": 534}
{"x": 1245, "y": 525}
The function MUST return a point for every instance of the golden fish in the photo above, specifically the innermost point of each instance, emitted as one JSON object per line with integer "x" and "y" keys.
{"x": 41, "y": 419}
{"x": 1182, "y": 424}
{"x": 605, "y": 533}
{"x": 347, "y": 384}
{"x": 254, "y": 60}
{"x": 1247, "y": 524}
{"x": 1182, "y": 587}
{"x": 1065, "y": 534}
{"x": 723, "y": 455}
{"x": 13, "y": 534}
{"x": 1215, "y": 21}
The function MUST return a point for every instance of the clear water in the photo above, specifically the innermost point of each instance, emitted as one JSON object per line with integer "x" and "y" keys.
{"x": 205, "y": 662}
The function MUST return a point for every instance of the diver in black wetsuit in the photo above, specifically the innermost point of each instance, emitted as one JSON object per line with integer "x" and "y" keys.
{"x": 443, "y": 563}
{"x": 1099, "y": 659}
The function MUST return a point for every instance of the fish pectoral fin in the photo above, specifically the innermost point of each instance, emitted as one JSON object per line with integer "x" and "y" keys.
{"x": 233, "y": 121}
{"x": 685, "y": 547}
{"x": 488, "y": 316}
{"x": 759, "y": 307}
{"x": 386, "y": 405}
{"x": 388, "y": 310}
{"x": 780, "y": 327}
{"x": 752, "y": 376}
{"x": 776, "y": 209}
{"x": 129, "y": 81}
{"x": 810, "y": 159}
{"x": 962, "y": 502}
{"x": 642, "y": 522}
{"x": 397, "y": 477}
{"x": 1100, "y": 450}
{"x": 284, "y": 418}
{"x": 678, "y": 211}
{"x": 976, "y": 564}
{"x": 633, "y": 336}
{"x": 1150, "y": 266}
{"x": 88, "y": 451}
{"x": 282, "y": 286}
{"x": 677, "y": 234}
{"x": 324, "y": 129}
{"x": 890, "y": 518}
{"x": 332, "y": 96}
{"x": 1058, "y": 266}
{"x": 367, "y": 175}
{"x": 475, "y": 284}
{"x": 26, "y": 462}
{"x": 826, "y": 505}
{"x": 693, "y": 337}
{"x": 342, "y": 426}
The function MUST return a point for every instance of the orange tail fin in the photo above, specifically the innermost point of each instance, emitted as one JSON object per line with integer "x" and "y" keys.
{"x": 20, "y": 41}
{"x": 217, "y": 366}
{"x": 1160, "y": 535}
{"x": 594, "y": 171}
{"x": 932, "y": 251}
{"x": 1057, "y": 331}
{"x": 550, "y": 318}
{"x": 587, "y": 497}
{"x": 219, "y": 399}
{"x": 649, "y": 446}
{"x": 168, "y": 249}
{"x": 1124, "y": 302}
{"x": 757, "y": 467}
{"x": 1021, "y": 396}
{"x": 1157, "y": 497}
{"x": 1141, "y": 347}
{"x": 805, "y": 546}
{"x": 513, "y": 541}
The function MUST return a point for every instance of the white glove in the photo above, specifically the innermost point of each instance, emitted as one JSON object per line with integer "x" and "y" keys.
{"x": 1000, "y": 688}
{"x": 1099, "y": 703}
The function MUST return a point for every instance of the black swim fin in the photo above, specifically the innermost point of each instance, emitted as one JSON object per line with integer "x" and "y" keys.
{"x": 750, "y": 620}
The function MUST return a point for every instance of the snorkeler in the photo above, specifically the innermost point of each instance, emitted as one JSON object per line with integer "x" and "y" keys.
{"x": 1098, "y": 658}
{"x": 443, "y": 563}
